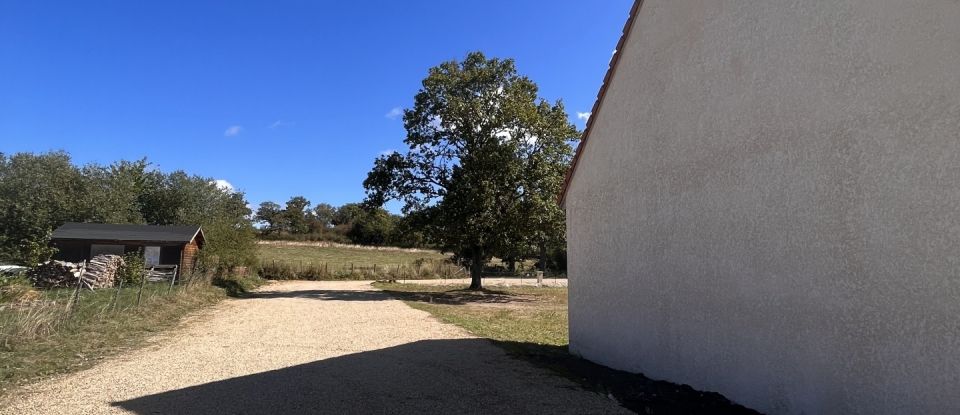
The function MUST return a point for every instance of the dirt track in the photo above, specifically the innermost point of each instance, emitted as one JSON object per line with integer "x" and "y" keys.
{"x": 295, "y": 347}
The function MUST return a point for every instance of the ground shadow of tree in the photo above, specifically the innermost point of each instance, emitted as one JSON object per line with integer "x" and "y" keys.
{"x": 453, "y": 297}
{"x": 460, "y": 297}
{"x": 338, "y": 295}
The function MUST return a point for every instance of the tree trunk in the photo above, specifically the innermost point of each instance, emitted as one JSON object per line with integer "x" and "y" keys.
{"x": 476, "y": 272}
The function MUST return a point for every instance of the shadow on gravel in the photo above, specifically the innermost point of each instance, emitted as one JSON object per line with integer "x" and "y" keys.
{"x": 338, "y": 295}
{"x": 632, "y": 390}
{"x": 436, "y": 376}
{"x": 460, "y": 297}
{"x": 432, "y": 376}
{"x": 455, "y": 297}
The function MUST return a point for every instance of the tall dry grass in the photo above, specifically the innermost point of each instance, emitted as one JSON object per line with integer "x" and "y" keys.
{"x": 47, "y": 332}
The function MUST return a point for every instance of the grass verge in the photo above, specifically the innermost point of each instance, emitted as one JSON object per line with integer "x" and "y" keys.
{"x": 40, "y": 338}
{"x": 530, "y": 323}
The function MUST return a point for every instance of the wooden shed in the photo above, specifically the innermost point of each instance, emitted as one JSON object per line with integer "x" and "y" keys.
{"x": 161, "y": 245}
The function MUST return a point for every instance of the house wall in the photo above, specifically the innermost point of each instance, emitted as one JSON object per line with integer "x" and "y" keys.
{"x": 769, "y": 205}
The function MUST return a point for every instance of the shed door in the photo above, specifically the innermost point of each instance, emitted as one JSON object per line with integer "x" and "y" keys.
{"x": 151, "y": 256}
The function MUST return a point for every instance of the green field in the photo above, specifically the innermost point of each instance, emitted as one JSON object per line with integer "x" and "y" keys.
{"x": 341, "y": 256}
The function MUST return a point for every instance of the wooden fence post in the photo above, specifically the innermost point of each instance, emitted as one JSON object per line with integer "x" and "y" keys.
{"x": 143, "y": 280}
{"x": 75, "y": 297}
{"x": 173, "y": 279}
{"x": 116, "y": 297}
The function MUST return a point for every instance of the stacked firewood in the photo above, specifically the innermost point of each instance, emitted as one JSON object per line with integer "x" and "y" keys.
{"x": 55, "y": 274}
{"x": 100, "y": 272}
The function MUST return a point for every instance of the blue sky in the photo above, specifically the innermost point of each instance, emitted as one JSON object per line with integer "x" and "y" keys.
{"x": 278, "y": 98}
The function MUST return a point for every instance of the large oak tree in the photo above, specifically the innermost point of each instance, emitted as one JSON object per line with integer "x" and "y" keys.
{"x": 484, "y": 164}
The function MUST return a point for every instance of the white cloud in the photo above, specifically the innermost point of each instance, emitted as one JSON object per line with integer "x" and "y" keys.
{"x": 583, "y": 116}
{"x": 386, "y": 152}
{"x": 233, "y": 130}
{"x": 394, "y": 113}
{"x": 223, "y": 185}
{"x": 281, "y": 124}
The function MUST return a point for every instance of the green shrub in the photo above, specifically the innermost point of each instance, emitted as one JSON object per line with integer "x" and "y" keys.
{"x": 132, "y": 270}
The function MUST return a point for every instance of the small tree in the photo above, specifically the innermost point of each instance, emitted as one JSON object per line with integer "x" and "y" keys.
{"x": 323, "y": 214}
{"x": 269, "y": 214}
{"x": 347, "y": 214}
{"x": 296, "y": 215}
{"x": 373, "y": 227}
{"x": 132, "y": 270}
{"x": 479, "y": 144}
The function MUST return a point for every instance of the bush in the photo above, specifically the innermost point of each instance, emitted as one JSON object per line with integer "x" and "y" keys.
{"x": 132, "y": 270}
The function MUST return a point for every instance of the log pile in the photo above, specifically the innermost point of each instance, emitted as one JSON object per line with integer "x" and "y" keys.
{"x": 100, "y": 272}
{"x": 55, "y": 274}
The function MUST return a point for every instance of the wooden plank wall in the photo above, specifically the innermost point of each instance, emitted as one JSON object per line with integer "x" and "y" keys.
{"x": 189, "y": 257}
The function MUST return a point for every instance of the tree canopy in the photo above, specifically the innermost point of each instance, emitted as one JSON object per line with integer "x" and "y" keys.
{"x": 351, "y": 222}
{"x": 484, "y": 163}
{"x": 39, "y": 192}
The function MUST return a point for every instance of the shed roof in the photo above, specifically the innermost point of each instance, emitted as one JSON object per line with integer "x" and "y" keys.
{"x": 114, "y": 232}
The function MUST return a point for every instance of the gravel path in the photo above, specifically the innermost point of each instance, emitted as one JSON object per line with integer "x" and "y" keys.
{"x": 310, "y": 347}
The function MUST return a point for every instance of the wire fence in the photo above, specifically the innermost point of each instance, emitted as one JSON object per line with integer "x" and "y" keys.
{"x": 36, "y": 312}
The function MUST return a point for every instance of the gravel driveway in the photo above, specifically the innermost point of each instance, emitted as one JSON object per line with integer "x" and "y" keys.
{"x": 310, "y": 347}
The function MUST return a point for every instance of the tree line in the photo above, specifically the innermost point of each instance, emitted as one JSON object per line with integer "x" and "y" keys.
{"x": 484, "y": 165}
{"x": 350, "y": 223}
{"x": 40, "y": 192}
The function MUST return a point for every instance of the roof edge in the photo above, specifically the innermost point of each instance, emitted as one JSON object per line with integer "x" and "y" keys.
{"x": 595, "y": 111}
{"x": 203, "y": 237}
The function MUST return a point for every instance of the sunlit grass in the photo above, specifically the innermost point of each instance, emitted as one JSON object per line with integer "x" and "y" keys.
{"x": 515, "y": 314}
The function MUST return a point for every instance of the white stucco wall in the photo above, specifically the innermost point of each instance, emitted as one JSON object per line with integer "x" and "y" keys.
{"x": 768, "y": 205}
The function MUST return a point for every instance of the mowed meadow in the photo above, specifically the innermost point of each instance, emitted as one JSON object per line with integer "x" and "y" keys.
{"x": 322, "y": 261}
